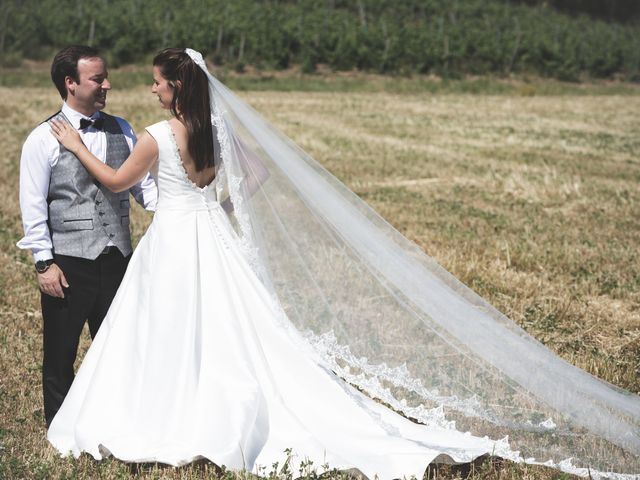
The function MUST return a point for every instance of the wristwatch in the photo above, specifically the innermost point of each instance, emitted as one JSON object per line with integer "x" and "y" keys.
{"x": 43, "y": 265}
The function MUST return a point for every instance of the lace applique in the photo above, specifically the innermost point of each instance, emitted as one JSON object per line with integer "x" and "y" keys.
{"x": 370, "y": 381}
{"x": 234, "y": 177}
{"x": 196, "y": 57}
{"x": 370, "y": 378}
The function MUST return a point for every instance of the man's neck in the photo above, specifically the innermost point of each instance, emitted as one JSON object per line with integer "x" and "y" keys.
{"x": 87, "y": 112}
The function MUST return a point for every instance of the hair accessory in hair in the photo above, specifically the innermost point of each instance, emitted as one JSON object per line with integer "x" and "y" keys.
{"x": 196, "y": 57}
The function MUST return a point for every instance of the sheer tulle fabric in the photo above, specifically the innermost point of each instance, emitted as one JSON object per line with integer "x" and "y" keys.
{"x": 390, "y": 320}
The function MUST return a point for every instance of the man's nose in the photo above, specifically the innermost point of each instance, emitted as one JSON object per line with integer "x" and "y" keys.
{"x": 106, "y": 84}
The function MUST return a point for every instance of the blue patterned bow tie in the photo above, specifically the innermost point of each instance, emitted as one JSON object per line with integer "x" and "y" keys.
{"x": 98, "y": 123}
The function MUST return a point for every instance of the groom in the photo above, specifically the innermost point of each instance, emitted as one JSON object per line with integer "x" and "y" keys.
{"x": 77, "y": 230}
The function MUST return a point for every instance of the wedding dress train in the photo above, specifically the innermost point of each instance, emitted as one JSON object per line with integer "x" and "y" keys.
{"x": 194, "y": 360}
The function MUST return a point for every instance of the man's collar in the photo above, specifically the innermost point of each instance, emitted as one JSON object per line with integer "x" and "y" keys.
{"x": 74, "y": 116}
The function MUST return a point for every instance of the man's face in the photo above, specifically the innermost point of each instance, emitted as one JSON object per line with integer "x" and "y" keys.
{"x": 90, "y": 93}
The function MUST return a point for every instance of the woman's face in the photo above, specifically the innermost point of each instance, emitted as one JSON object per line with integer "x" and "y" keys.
{"x": 162, "y": 88}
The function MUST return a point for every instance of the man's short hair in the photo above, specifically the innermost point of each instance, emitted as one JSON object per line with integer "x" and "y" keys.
{"x": 65, "y": 64}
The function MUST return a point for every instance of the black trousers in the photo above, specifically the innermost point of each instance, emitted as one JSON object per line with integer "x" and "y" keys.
{"x": 92, "y": 286}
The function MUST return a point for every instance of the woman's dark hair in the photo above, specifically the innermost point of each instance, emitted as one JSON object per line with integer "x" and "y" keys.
{"x": 190, "y": 102}
{"x": 65, "y": 64}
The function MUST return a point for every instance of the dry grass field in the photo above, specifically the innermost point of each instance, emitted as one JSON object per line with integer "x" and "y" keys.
{"x": 533, "y": 201}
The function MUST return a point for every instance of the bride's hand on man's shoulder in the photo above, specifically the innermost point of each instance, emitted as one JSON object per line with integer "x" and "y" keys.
{"x": 66, "y": 135}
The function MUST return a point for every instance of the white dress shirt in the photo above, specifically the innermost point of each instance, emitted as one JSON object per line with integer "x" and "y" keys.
{"x": 39, "y": 155}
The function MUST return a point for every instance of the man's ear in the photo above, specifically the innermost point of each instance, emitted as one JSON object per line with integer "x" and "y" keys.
{"x": 70, "y": 84}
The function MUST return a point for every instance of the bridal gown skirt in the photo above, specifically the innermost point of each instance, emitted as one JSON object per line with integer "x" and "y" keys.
{"x": 193, "y": 361}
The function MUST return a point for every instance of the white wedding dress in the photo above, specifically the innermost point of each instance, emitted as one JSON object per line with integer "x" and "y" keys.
{"x": 195, "y": 359}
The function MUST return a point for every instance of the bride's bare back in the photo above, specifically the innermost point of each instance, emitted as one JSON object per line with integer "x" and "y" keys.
{"x": 201, "y": 178}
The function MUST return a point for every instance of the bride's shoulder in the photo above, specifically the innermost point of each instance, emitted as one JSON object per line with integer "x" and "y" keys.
{"x": 158, "y": 129}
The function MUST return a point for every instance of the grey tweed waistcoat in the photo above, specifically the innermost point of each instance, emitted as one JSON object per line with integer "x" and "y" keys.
{"x": 84, "y": 216}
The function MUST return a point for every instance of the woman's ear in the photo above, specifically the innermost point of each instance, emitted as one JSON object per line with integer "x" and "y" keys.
{"x": 178, "y": 83}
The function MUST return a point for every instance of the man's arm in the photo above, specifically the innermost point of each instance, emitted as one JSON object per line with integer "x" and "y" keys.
{"x": 145, "y": 191}
{"x": 35, "y": 173}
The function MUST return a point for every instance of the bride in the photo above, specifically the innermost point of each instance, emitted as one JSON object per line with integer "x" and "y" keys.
{"x": 268, "y": 308}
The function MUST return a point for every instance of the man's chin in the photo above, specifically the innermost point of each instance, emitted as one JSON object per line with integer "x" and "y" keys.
{"x": 100, "y": 104}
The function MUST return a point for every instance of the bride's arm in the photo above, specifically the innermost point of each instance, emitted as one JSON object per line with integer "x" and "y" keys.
{"x": 140, "y": 161}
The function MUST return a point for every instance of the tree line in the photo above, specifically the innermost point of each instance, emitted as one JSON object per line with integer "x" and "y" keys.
{"x": 443, "y": 37}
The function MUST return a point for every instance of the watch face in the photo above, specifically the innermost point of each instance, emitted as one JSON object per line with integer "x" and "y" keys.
{"x": 41, "y": 266}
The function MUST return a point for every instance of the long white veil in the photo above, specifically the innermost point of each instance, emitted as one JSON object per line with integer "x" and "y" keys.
{"x": 388, "y": 319}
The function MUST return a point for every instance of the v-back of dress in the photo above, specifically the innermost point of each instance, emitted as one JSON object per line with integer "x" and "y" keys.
{"x": 194, "y": 360}
{"x": 175, "y": 189}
